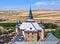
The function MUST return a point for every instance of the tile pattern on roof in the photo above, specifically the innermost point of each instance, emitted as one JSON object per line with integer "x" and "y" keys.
{"x": 18, "y": 37}
{"x": 40, "y": 42}
{"x": 51, "y": 37}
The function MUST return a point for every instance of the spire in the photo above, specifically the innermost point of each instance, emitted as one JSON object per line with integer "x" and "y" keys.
{"x": 30, "y": 14}
{"x": 30, "y": 17}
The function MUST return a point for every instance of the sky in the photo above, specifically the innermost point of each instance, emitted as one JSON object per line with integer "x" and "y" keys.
{"x": 26, "y": 4}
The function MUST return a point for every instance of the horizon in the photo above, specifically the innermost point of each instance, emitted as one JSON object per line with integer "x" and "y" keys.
{"x": 25, "y": 4}
{"x": 27, "y": 9}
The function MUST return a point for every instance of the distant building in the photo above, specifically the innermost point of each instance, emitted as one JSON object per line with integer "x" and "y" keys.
{"x": 30, "y": 32}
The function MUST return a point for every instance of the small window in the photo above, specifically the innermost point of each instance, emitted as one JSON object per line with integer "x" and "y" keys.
{"x": 30, "y": 28}
{"x": 19, "y": 39}
{"x": 22, "y": 36}
{"x": 28, "y": 33}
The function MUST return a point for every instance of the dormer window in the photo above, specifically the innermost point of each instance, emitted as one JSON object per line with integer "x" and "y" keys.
{"x": 20, "y": 39}
{"x": 22, "y": 36}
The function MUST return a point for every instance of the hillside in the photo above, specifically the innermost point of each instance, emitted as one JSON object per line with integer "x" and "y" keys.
{"x": 49, "y": 16}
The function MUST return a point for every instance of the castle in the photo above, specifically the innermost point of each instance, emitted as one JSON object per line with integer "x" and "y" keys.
{"x": 30, "y": 32}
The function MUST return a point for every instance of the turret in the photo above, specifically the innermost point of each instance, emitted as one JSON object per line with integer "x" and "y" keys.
{"x": 31, "y": 30}
{"x": 41, "y": 24}
{"x": 43, "y": 30}
{"x": 17, "y": 27}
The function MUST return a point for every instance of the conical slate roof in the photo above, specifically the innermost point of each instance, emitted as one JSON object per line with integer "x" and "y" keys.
{"x": 41, "y": 24}
{"x": 30, "y": 17}
{"x": 18, "y": 24}
{"x": 30, "y": 23}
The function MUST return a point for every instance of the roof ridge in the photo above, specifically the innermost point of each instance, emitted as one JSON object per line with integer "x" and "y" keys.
{"x": 33, "y": 25}
{"x": 27, "y": 26}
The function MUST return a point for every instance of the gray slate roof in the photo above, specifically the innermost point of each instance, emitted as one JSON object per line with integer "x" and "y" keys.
{"x": 18, "y": 38}
{"x": 30, "y": 17}
{"x": 51, "y": 37}
{"x": 39, "y": 42}
{"x": 25, "y": 25}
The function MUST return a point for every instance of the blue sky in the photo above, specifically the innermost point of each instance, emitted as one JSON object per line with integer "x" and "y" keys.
{"x": 25, "y": 4}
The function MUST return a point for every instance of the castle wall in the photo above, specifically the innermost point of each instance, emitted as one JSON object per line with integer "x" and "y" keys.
{"x": 30, "y": 37}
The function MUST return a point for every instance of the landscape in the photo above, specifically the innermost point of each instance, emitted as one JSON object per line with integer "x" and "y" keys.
{"x": 49, "y": 16}
{"x": 29, "y": 21}
{"x": 7, "y": 26}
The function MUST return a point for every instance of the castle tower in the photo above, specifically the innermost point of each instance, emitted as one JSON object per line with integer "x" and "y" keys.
{"x": 32, "y": 30}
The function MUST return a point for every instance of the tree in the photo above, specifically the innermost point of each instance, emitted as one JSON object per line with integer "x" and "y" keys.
{"x": 50, "y": 26}
{"x": 0, "y": 32}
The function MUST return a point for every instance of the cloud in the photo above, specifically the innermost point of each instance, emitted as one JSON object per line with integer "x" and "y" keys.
{"x": 40, "y": 3}
{"x": 46, "y": 3}
{"x": 54, "y": 3}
